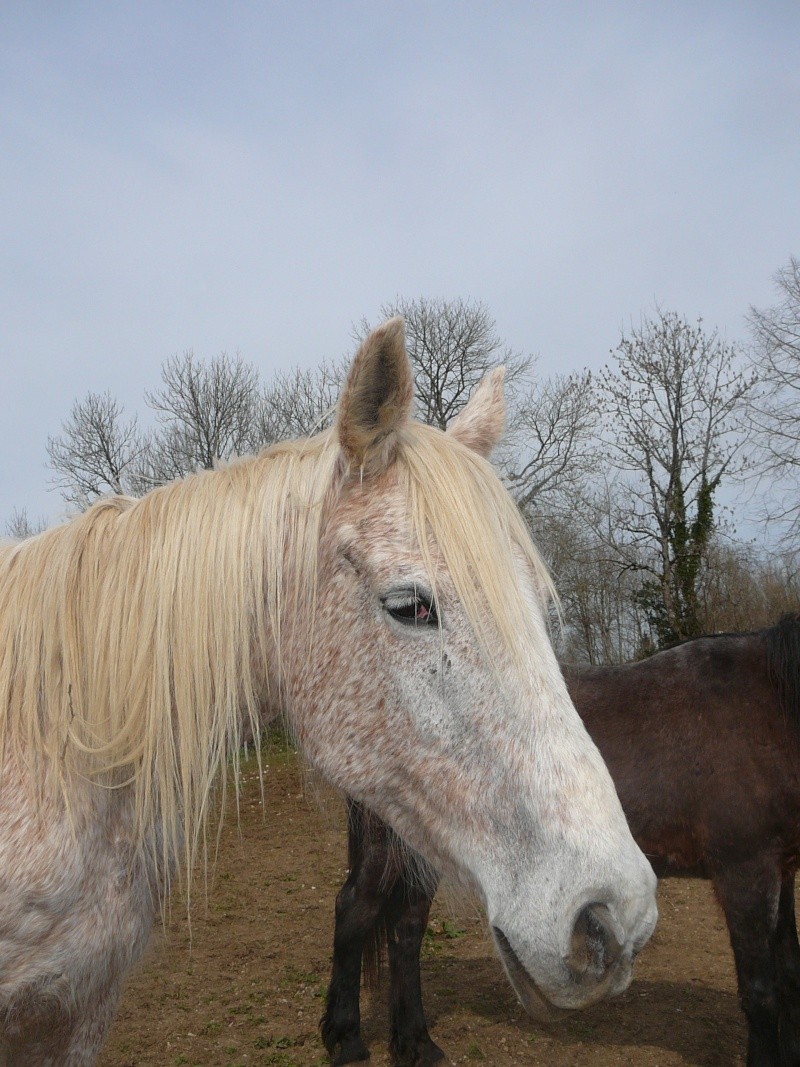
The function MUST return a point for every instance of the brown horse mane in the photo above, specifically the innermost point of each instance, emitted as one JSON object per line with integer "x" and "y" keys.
{"x": 783, "y": 663}
{"x": 782, "y": 641}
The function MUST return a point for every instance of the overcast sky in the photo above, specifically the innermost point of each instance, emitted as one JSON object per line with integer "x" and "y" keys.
{"x": 257, "y": 177}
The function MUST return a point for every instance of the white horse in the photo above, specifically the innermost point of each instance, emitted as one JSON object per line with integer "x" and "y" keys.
{"x": 377, "y": 584}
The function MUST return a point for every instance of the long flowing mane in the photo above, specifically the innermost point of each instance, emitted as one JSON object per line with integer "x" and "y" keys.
{"x": 134, "y": 638}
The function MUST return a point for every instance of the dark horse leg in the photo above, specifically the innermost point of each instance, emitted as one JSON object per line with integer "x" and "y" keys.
{"x": 406, "y": 922}
{"x": 382, "y": 896}
{"x": 788, "y": 951}
{"x": 360, "y": 905}
{"x": 749, "y": 894}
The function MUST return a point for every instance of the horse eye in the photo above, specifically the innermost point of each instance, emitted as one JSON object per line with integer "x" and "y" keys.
{"x": 414, "y": 610}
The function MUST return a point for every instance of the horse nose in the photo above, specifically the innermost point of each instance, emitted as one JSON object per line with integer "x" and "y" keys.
{"x": 594, "y": 948}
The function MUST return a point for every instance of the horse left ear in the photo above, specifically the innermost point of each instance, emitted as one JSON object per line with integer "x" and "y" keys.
{"x": 480, "y": 424}
{"x": 376, "y": 399}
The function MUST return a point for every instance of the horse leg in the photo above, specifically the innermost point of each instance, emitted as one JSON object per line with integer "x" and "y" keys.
{"x": 360, "y": 904}
{"x": 90, "y": 1032}
{"x": 788, "y": 950}
{"x": 749, "y": 894}
{"x": 357, "y": 911}
{"x": 74, "y": 1042}
{"x": 406, "y": 922}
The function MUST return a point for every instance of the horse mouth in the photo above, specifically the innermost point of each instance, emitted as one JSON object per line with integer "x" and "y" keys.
{"x": 535, "y": 1003}
{"x": 596, "y": 967}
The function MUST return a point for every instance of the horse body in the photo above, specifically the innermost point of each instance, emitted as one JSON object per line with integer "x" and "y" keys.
{"x": 377, "y": 585}
{"x": 703, "y": 743}
{"x": 705, "y": 762}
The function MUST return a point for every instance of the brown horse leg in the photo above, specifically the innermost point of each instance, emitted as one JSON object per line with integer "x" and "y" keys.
{"x": 749, "y": 895}
{"x": 406, "y": 922}
{"x": 788, "y": 951}
{"x": 360, "y": 906}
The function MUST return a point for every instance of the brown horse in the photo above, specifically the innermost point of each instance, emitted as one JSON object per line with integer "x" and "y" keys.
{"x": 703, "y": 743}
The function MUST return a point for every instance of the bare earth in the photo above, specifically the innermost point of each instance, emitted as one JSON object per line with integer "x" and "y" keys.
{"x": 248, "y": 989}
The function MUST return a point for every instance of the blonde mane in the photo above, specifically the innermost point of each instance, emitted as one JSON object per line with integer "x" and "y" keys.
{"x": 134, "y": 638}
{"x": 457, "y": 497}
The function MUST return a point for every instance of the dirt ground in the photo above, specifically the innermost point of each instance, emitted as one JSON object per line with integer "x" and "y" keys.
{"x": 248, "y": 988}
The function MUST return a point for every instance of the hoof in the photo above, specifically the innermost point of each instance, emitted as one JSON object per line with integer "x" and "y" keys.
{"x": 352, "y": 1050}
{"x": 429, "y": 1055}
{"x": 424, "y": 1054}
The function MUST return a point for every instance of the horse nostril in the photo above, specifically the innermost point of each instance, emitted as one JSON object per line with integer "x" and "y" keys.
{"x": 594, "y": 949}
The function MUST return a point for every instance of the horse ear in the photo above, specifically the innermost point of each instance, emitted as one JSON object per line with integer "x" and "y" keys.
{"x": 480, "y": 423}
{"x": 376, "y": 399}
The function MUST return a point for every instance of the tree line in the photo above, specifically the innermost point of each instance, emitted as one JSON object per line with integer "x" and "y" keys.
{"x": 623, "y": 476}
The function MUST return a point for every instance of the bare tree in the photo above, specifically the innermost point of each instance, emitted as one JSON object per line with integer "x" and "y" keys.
{"x": 675, "y": 411}
{"x": 297, "y": 404}
{"x": 206, "y": 410}
{"x": 97, "y": 450}
{"x": 603, "y": 622}
{"x": 20, "y": 526}
{"x": 775, "y": 408}
{"x": 215, "y": 410}
{"x": 554, "y": 441}
{"x": 451, "y": 344}
{"x": 744, "y": 587}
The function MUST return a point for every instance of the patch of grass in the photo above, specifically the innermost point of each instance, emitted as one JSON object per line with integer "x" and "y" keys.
{"x": 279, "y": 1042}
{"x": 294, "y": 978}
{"x": 581, "y": 1028}
{"x": 474, "y": 1052}
{"x": 276, "y": 744}
{"x": 437, "y": 933}
{"x": 240, "y": 1009}
{"x": 451, "y": 931}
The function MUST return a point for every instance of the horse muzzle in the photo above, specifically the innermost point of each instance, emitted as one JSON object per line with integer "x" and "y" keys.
{"x": 597, "y": 965}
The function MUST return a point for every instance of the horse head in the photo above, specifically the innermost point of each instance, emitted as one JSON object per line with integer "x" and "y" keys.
{"x": 431, "y": 693}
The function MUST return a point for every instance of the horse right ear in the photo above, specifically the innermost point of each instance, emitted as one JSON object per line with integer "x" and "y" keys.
{"x": 376, "y": 399}
{"x": 479, "y": 425}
